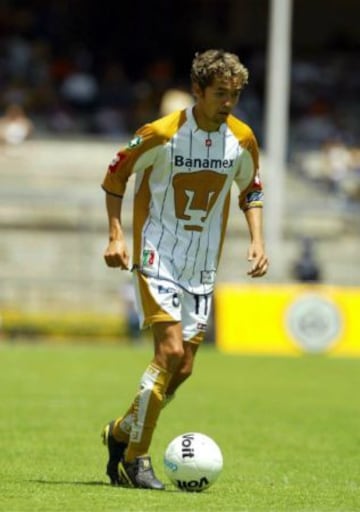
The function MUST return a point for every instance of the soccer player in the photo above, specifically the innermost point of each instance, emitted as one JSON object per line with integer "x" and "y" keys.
{"x": 184, "y": 166}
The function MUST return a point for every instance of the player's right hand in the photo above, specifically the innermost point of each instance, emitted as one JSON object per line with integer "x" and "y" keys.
{"x": 117, "y": 255}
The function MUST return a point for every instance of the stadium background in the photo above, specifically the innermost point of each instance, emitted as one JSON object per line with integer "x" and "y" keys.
{"x": 88, "y": 75}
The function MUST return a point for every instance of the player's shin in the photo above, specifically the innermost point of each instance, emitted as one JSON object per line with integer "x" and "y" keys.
{"x": 122, "y": 426}
{"x": 146, "y": 409}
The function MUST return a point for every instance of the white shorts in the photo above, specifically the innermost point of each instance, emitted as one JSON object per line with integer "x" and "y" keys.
{"x": 159, "y": 300}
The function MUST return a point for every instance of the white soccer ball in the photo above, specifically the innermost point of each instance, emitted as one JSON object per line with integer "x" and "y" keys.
{"x": 193, "y": 462}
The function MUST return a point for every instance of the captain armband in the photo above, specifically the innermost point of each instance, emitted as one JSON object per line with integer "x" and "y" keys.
{"x": 253, "y": 199}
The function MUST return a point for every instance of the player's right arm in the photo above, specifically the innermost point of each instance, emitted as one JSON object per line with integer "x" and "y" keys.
{"x": 136, "y": 156}
{"x": 116, "y": 253}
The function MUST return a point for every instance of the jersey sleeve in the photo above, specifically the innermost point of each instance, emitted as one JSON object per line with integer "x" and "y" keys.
{"x": 136, "y": 156}
{"x": 251, "y": 194}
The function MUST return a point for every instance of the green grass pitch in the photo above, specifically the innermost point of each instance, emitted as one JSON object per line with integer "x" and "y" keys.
{"x": 289, "y": 430}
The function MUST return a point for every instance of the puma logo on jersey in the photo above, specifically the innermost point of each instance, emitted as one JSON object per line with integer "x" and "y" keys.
{"x": 195, "y": 195}
{"x": 203, "y": 163}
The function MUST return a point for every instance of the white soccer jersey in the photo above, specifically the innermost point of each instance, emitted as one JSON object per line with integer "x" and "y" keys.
{"x": 182, "y": 194}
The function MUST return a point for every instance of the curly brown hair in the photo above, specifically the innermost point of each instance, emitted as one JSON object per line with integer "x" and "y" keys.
{"x": 217, "y": 63}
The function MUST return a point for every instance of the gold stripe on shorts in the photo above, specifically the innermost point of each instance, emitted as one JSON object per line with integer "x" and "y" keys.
{"x": 151, "y": 309}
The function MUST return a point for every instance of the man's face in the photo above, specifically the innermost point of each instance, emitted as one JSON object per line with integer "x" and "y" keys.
{"x": 216, "y": 102}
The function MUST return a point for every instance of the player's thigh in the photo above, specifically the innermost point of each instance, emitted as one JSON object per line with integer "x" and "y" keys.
{"x": 168, "y": 344}
{"x": 157, "y": 300}
{"x": 195, "y": 316}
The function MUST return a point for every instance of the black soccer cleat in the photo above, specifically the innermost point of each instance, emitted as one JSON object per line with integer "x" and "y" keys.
{"x": 140, "y": 474}
{"x": 116, "y": 452}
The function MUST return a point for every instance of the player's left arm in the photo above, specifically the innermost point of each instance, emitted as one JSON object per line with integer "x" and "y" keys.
{"x": 251, "y": 203}
{"x": 256, "y": 252}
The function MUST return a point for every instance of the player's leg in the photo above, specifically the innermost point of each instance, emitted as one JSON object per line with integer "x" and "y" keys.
{"x": 168, "y": 355}
{"x": 160, "y": 309}
{"x": 183, "y": 371}
{"x": 116, "y": 434}
{"x": 195, "y": 315}
{"x": 122, "y": 426}
{"x": 168, "y": 352}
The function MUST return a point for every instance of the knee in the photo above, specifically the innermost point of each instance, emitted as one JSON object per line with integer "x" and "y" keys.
{"x": 169, "y": 349}
{"x": 185, "y": 371}
{"x": 170, "y": 356}
{"x": 175, "y": 353}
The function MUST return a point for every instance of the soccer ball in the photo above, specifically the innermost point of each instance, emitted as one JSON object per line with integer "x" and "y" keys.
{"x": 193, "y": 462}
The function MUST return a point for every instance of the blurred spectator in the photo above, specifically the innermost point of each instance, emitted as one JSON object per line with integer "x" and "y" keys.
{"x": 335, "y": 167}
{"x": 60, "y": 118}
{"x": 115, "y": 102}
{"x": 115, "y": 87}
{"x": 110, "y": 121}
{"x": 17, "y": 91}
{"x": 315, "y": 125}
{"x": 15, "y": 126}
{"x": 338, "y": 163}
{"x": 157, "y": 79}
{"x": 174, "y": 99}
{"x": 18, "y": 56}
{"x": 306, "y": 268}
{"x": 80, "y": 88}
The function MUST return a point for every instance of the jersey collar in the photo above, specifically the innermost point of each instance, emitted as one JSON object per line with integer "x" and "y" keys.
{"x": 193, "y": 125}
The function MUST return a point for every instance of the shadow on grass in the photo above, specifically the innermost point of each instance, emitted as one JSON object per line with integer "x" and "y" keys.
{"x": 65, "y": 482}
{"x": 93, "y": 483}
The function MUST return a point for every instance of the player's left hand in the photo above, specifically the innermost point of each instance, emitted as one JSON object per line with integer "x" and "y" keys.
{"x": 258, "y": 259}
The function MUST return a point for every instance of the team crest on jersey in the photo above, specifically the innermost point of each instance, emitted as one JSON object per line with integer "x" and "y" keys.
{"x": 118, "y": 159}
{"x": 148, "y": 258}
{"x": 135, "y": 141}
